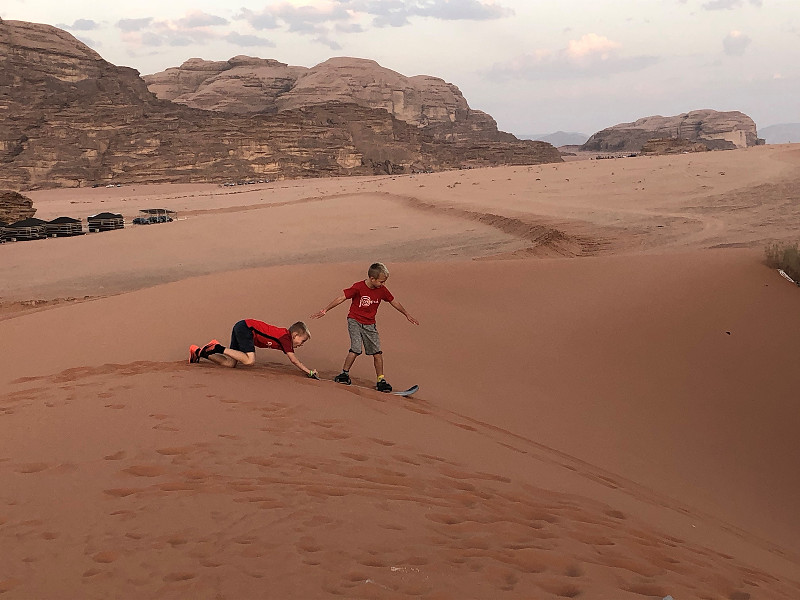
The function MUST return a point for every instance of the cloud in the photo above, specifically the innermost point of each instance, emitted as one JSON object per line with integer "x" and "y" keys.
{"x": 591, "y": 44}
{"x": 729, "y": 4}
{"x": 349, "y": 28}
{"x": 735, "y": 43}
{"x": 200, "y": 19}
{"x": 396, "y": 13}
{"x": 592, "y": 55}
{"x": 195, "y": 28}
{"x": 237, "y": 39}
{"x": 298, "y": 19}
{"x": 345, "y": 16}
{"x": 129, "y": 25}
{"x": 82, "y": 25}
{"x": 322, "y": 20}
{"x": 332, "y": 44}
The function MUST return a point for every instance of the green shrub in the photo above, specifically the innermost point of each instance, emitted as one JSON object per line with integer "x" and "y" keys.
{"x": 786, "y": 257}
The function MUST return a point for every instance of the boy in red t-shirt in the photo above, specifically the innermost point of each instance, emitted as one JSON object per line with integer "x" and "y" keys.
{"x": 366, "y": 296}
{"x": 249, "y": 333}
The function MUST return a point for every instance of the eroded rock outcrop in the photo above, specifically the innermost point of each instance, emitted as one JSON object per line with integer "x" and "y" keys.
{"x": 671, "y": 146}
{"x": 70, "y": 118}
{"x": 716, "y": 130}
{"x": 15, "y": 207}
{"x": 245, "y": 84}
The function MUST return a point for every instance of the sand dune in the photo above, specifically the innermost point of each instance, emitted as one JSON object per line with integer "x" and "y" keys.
{"x": 606, "y": 407}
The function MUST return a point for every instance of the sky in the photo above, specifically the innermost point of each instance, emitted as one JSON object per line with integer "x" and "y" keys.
{"x": 536, "y": 67}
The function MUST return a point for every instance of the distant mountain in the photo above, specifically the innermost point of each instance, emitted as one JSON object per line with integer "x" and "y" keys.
{"x": 247, "y": 85}
{"x": 785, "y": 133}
{"x": 559, "y": 138}
{"x": 717, "y": 130}
{"x": 68, "y": 118}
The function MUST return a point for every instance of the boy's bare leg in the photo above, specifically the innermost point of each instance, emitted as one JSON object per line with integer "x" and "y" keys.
{"x": 378, "y": 360}
{"x": 247, "y": 358}
{"x": 221, "y": 359}
{"x": 348, "y": 362}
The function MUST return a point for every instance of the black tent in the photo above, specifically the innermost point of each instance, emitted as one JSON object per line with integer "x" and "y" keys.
{"x": 105, "y": 221}
{"x": 27, "y": 229}
{"x": 155, "y": 215}
{"x": 63, "y": 226}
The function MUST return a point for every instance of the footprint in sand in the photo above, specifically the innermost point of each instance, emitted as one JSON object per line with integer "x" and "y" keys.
{"x": 356, "y": 457}
{"x": 172, "y": 451}
{"x": 119, "y": 455}
{"x": 107, "y": 556}
{"x": 32, "y": 468}
{"x": 145, "y": 470}
{"x": 179, "y": 576}
{"x": 120, "y": 492}
{"x": 381, "y": 442}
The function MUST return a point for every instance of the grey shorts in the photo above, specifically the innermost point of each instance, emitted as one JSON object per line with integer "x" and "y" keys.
{"x": 363, "y": 336}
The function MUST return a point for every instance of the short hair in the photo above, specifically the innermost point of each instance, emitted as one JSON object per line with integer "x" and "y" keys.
{"x": 300, "y": 328}
{"x": 376, "y": 270}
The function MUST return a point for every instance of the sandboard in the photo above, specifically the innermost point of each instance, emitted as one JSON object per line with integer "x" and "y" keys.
{"x": 412, "y": 390}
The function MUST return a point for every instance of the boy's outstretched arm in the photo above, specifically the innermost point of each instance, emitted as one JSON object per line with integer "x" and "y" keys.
{"x": 399, "y": 307}
{"x": 332, "y": 304}
{"x": 296, "y": 362}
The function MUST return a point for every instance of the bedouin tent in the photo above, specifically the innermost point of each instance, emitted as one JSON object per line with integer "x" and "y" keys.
{"x": 105, "y": 221}
{"x": 63, "y": 226}
{"x": 155, "y": 215}
{"x": 27, "y": 229}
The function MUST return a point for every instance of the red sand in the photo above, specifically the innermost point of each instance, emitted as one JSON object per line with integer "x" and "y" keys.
{"x": 617, "y": 425}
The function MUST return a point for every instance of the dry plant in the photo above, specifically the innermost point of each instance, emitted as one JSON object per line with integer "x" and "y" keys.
{"x": 786, "y": 257}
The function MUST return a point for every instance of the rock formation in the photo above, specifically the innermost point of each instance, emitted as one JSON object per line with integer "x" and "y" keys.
{"x": 69, "y": 118}
{"x": 245, "y": 84}
{"x": 717, "y": 130}
{"x": 15, "y": 207}
{"x": 672, "y": 146}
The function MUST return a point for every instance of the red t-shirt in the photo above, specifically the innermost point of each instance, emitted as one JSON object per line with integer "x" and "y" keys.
{"x": 269, "y": 336}
{"x": 365, "y": 301}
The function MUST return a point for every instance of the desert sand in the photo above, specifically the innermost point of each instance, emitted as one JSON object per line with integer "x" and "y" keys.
{"x": 607, "y": 406}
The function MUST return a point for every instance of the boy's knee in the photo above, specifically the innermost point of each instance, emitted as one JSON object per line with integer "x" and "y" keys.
{"x": 250, "y": 359}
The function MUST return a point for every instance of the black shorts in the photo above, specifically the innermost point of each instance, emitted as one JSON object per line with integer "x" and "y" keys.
{"x": 242, "y": 338}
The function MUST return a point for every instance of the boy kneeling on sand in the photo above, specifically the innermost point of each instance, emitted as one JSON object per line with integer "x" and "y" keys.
{"x": 366, "y": 296}
{"x": 249, "y": 334}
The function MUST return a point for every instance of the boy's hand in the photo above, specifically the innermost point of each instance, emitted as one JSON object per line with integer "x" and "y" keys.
{"x": 313, "y": 374}
{"x": 318, "y": 315}
{"x": 412, "y": 319}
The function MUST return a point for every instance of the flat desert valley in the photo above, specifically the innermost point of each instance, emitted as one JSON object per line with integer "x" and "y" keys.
{"x": 608, "y": 404}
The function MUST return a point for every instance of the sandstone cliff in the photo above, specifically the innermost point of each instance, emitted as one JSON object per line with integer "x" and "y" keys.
{"x": 672, "y": 146}
{"x": 15, "y": 207}
{"x": 70, "y": 118}
{"x": 717, "y": 130}
{"x": 245, "y": 84}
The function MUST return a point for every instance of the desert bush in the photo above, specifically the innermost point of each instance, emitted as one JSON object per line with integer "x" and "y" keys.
{"x": 786, "y": 257}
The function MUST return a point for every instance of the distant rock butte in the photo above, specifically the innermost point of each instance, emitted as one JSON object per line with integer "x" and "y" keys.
{"x": 246, "y": 85}
{"x": 717, "y": 130}
{"x": 70, "y": 118}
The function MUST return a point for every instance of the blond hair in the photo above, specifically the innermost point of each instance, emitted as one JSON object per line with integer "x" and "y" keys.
{"x": 377, "y": 269}
{"x": 300, "y": 328}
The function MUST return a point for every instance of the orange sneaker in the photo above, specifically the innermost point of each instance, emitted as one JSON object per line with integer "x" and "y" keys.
{"x": 194, "y": 354}
{"x": 209, "y": 346}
